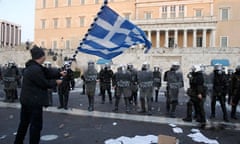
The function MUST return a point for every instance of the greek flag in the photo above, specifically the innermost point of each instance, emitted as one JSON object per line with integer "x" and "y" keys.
{"x": 111, "y": 34}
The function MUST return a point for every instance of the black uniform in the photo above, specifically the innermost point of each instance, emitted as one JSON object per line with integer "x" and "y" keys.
{"x": 65, "y": 87}
{"x": 90, "y": 76}
{"x": 145, "y": 82}
{"x": 197, "y": 94}
{"x": 133, "y": 85}
{"x": 105, "y": 77}
{"x": 174, "y": 79}
{"x": 121, "y": 82}
{"x": 219, "y": 92}
{"x": 156, "y": 82}
{"x": 11, "y": 77}
{"x": 229, "y": 86}
{"x": 236, "y": 92}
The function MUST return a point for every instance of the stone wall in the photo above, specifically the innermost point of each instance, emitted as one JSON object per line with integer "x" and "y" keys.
{"x": 161, "y": 57}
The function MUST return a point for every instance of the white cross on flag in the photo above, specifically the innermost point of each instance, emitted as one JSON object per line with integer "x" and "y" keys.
{"x": 111, "y": 34}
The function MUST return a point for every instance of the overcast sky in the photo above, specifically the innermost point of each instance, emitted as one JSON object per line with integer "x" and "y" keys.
{"x": 20, "y": 12}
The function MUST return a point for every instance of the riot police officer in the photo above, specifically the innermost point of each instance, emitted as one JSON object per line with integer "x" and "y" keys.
{"x": 219, "y": 91}
{"x": 10, "y": 78}
{"x": 174, "y": 79}
{"x": 133, "y": 84}
{"x": 145, "y": 82}
{"x": 105, "y": 78}
{"x": 64, "y": 88}
{"x": 229, "y": 85}
{"x": 90, "y": 76}
{"x": 121, "y": 82}
{"x": 197, "y": 94}
{"x": 236, "y": 91}
{"x": 156, "y": 81}
{"x": 50, "y": 91}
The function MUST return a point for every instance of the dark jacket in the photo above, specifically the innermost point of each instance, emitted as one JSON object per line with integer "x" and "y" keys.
{"x": 36, "y": 82}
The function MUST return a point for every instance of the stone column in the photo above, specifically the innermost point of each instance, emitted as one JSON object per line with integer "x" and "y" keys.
{"x": 194, "y": 38}
{"x": 158, "y": 39}
{"x": 166, "y": 38}
{"x": 176, "y": 38}
{"x": 185, "y": 38}
{"x": 204, "y": 42}
{"x": 213, "y": 38}
{"x": 5, "y": 35}
{"x": 149, "y": 35}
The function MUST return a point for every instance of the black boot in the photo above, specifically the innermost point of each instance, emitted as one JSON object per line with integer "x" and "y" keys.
{"x": 143, "y": 108}
{"x": 156, "y": 95}
{"x": 116, "y": 104}
{"x": 233, "y": 112}
{"x": 173, "y": 110}
{"x": 127, "y": 105}
{"x": 189, "y": 112}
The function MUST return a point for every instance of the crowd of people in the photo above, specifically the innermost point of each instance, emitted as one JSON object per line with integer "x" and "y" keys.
{"x": 143, "y": 86}
{"x": 138, "y": 87}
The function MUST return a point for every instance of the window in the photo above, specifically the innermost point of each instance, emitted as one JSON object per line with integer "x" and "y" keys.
{"x": 164, "y": 12}
{"x": 82, "y": 2}
{"x": 224, "y": 42}
{"x": 198, "y": 13}
{"x": 224, "y": 14}
{"x": 69, "y": 2}
{"x": 43, "y": 3}
{"x": 43, "y": 23}
{"x": 82, "y": 21}
{"x": 96, "y": 1}
{"x": 54, "y": 44}
{"x": 43, "y": 44}
{"x": 199, "y": 41}
{"x": 148, "y": 15}
{"x": 173, "y": 11}
{"x": 127, "y": 15}
{"x": 56, "y": 3}
{"x": 68, "y": 45}
{"x": 181, "y": 11}
{"x": 55, "y": 23}
{"x": 68, "y": 22}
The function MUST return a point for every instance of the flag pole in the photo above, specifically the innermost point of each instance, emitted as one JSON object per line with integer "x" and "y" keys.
{"x": 76, "y": 51}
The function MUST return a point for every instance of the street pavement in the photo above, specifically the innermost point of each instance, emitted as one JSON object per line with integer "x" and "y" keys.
{"x": 78, "y": 126}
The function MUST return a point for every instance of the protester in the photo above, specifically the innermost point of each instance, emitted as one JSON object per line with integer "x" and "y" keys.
{"x": 34, "y": 95}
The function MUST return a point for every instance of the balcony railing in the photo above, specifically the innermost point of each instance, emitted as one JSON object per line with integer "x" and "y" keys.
{"x": 206, "y": 19}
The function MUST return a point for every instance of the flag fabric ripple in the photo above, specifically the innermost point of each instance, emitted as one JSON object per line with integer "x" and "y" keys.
{"x": 111, "y": 34}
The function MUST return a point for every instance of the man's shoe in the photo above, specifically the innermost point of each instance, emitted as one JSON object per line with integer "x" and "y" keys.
{"x": 115, "y": 110}
{"x": 60, "y": 107}
{"x": 187, "y": 119}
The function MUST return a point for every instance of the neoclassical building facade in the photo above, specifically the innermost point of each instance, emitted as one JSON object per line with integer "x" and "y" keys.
{"x": 10, "y": 34}
{"x": 61, "y": 24}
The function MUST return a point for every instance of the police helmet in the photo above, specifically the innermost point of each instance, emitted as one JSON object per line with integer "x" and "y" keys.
{"x": 218, "y": 67}
{"x": 129, "y": 66}
{"x": 90, "y": 62}
{"x": 196, "y": 68}
{"x": 121, "y": 68}
{"x": 230, "y": 71}
{"x": 47, "y": 64}
{"x": 145, "y": 66}
{"x": 238, "y": 68}
{"x": 156, "y": 68}
{"x": 175, "y": 65}
{"x": 66, "y": 65}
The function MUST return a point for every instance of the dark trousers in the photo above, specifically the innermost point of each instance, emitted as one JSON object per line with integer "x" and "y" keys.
{"x": 235, "y": 101}
{"x": 106, "y": 87}
{"x": 29, "y": 116}
{"x": 222, "y": 100}
{"x": 63, "y": 97}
